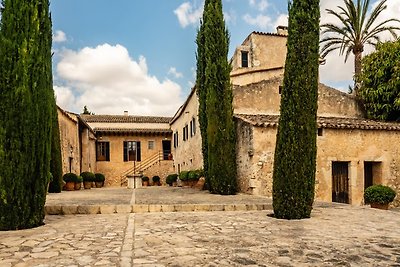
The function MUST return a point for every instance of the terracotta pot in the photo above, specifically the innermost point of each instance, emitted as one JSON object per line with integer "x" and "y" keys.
{"x": 78, "y": 186}
{"x": 99, "y": 184}
{"x": 87, "y": 185}
{"x": 380, "y": 206}
{"x": 145, "y": 183}
{"x": 70, "y": 186}
{"x": 175, "y": 184}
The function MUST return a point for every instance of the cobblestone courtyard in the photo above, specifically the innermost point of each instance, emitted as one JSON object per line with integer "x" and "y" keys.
{"x": 336, "y": 235}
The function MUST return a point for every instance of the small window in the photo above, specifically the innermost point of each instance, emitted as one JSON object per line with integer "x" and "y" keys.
{"x": 176, "y": 139}
{"x": 103, "y": 151}
{"x": 151, "y": 145}
{"x": 280, "y": 89}
{"x": 185, "y": 133}
{"x": 193, "y": 127}
{"x": 245, "y": 59}
{"x": 320, "y": 132}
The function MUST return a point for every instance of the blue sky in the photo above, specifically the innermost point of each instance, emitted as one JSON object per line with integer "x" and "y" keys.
{"x": 139, "y": 55}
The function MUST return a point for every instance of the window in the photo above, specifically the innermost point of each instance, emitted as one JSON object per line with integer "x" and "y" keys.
{"x": 193, "y": 127}
{"x": 185, "y": 133}
{"x": 320, "y": 132}
{"x": 151, "y": 145}
{"x": 280, "y": 89}
{"x": 245, "y": 59}
{"x": 103, "y": 151}
{"x": 176, "y": 139}
{"x": 132, "y": 151}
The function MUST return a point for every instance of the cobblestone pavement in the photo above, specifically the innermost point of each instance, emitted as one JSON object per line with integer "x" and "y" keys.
{"x": 336, "y": 235}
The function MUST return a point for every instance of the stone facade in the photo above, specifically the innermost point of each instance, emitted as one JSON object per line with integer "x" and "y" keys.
{"x": 354, "y": 142}
{"x": 114, "y": 135}
{"x": 187, "y": 151}
{"x": 77, "y": 143}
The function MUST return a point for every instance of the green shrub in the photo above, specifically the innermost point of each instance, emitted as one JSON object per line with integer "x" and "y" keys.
{"x": 70, "y": 177}
{"x": 156, "y": 179}
{"x": 184, "y": 175}
{"x": 79, "y": 179}
{"x": 145, "y": 179}
{"x": 171, "y": 179}
{"x": 193, "y": 176}
{"x": 99, "y": 177}
{"x": 88, "y": 176}
{"x": 379, "y": 194}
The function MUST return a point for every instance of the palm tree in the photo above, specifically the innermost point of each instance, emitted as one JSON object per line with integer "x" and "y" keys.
{"x": 357, "y": 29}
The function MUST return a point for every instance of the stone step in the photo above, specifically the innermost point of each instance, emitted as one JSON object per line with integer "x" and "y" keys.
{"x": 145, "y": 208}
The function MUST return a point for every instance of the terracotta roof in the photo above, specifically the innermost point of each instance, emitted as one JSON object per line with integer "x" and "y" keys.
{"x": 124, "y": 119}
{"x": 133, "y": 131}
{"x": 324, "y": 122}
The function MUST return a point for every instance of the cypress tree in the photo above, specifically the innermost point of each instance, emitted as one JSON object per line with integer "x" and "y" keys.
{"x": 295, "y": 153}
{"x": 56, "y": 161}
{"x": 221, "y": 137}
{"x": 202, "y": 92}
{"x": 26, "y": 106}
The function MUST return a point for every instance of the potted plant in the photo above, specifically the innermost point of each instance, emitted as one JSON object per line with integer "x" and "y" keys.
{"x": 193, "y": 177}
{"x": 88, "y": 179}
{"x": 171, "y": 179}
{"x": 99, "y": 180}
{"x": 156, "y": 180}
{"x": 145, "y": 181}
{"x": 184, "y": 177}
{"x": 70, "y": 179}
{"x": 379, "y": 196}
{"x": 78, "y": 183}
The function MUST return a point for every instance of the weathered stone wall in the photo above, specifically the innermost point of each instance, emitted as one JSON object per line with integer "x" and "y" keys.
{"x": 188, "y": 154}
{"x": 162, "y": 169}
{"x": 69, "y": 138}
{"x": 116, "y": 167}
{"x": 264, "y": 98}
{"x": 88, "y": 151}
{"x": 353, "y": 146}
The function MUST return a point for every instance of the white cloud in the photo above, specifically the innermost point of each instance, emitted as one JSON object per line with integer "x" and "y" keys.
{"x": 261, "y": 5}
{"x": 188, "y": 15}
{"x": 175, "y": 73}
{"x": 109, "y": 81}
{"x": 281, "y": 20}
{"x": 59, "y": 37}
{"x": 261, "y": 21}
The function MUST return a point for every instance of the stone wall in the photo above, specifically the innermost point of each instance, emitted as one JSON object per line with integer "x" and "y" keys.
{"x": 187, "y": 155}
{"x": 354, "y": 146}
{"x": 69, "y": 138}
{"x": 264, "y": 98}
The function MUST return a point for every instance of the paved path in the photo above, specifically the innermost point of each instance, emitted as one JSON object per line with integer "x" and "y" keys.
{"x": 336, "y": 235}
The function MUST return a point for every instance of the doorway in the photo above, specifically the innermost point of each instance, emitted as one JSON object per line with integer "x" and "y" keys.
{"x": 340, "y": 182}
{"x": 372, "y": 173}
{"x": 166, "y": 144}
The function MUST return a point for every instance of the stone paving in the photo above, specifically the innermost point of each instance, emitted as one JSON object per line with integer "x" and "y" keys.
{"x": 336, "y": 235}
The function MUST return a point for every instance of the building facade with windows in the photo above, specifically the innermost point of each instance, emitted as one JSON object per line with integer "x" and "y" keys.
{"x": 128, "y": 145}
{"x": 186, "y": 136}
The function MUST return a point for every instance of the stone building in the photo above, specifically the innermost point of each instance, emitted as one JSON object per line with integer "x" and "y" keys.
{"x": 77, "y": 143}
{"x": 353, "y": 152}
{"x": 128, "y": 145}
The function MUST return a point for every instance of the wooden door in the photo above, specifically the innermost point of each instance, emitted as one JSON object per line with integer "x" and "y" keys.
{"x": 340, "y": 182}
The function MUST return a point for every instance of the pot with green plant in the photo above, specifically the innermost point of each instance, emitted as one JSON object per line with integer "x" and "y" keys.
{"x": 88, "y": 179}
{"x": 145, "y": 181}
{"x": 70, "y": 179}
{"x": 156, "y": 180}
{"x": 172, "y": 179}
{"x": 193, "y": 177}
{"x": 78, "y": 183}
{"x": 379, "y": 196}
{"x": 184, "y": 177}
{"x": 99, "y": 180}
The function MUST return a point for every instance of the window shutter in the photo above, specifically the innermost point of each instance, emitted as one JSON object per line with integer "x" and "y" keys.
{"x": 138, "y": 152}
{"x": 107, "y": 151}
{"x": 125, "y": 151}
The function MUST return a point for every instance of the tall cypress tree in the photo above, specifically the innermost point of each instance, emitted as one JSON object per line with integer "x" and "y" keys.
{"x": 221, "y": 137}
{"x": 202, "y": 91}
{"x": 26, "y": 106}
{"x": 295, "y": 154}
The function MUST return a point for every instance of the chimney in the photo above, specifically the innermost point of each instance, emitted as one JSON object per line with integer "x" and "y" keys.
{"x": 282, "y": 30}
{"x": 125, "y": 113}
